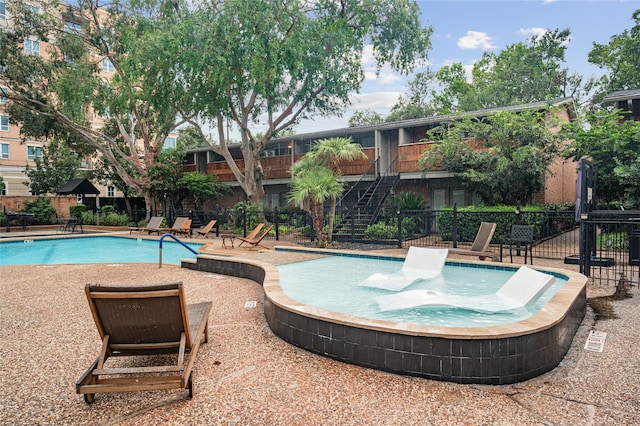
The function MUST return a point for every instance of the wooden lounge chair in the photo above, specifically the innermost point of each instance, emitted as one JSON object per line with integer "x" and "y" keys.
{"x": 251, "y": 235}
{"x": 206, "y": 230}
{"x": 255, "y": 242}
{"x": 480, "y": 246}
{"x": 143, "y": 320}
{"x": 184, "y": 227}
{"x": 177, "y": 224}
{"x": 154, "y": 224}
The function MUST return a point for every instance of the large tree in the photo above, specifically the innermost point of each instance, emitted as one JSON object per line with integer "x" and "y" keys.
{"x": 57, "y": 166}
{"x": 268, "y": 64}
{"x": 524, "y": 72}
{"x": 101, "y": 64}
{"x": 614, "y": 146}
{"x": 621, "y": 57}
{"x": 503, "y": 157}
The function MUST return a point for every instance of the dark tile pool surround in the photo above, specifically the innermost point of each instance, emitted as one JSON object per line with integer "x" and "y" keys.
{"x": 487, "y": 355}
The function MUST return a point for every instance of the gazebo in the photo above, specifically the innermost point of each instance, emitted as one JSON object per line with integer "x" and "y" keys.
{"x": 80, "y": 186}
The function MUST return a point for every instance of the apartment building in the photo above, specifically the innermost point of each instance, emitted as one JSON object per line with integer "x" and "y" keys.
{"x": 392, "y": 151}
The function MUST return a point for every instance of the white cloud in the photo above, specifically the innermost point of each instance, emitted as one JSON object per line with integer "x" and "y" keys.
{"x": 537, "y": 31}
{"x": 476, "y": 40}
{"x": 375, "y": 100}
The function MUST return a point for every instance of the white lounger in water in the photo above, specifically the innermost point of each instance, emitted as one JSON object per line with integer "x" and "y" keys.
{"x": 420, "y": 264}
{"x": 524, "y": 287}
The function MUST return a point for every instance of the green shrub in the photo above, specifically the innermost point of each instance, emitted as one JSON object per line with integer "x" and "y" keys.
{"x": 380, "y": 231}
{"x": 108, "y": 209}
{"x": 77, "y": 210}
{"x": 88, "y": 218}
{"x": 42, "y": 209}
{"x": 469, "y": 219}
{"x": 114, "y": 219}
{"x": 252, "y": 211}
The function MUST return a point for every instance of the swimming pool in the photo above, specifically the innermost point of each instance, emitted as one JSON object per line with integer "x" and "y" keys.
{"x": 94, "y": 249}
{"x": 497, "y": 354}
{"x": 331, "y": 283}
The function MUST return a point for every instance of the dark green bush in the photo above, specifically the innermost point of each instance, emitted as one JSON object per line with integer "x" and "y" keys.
{"x": 380, "y": 231}
{"x": 114, "y": 219}
{"x": 108, "y": 209}
{"x": 77, "y": 210}
{"x": 469, "y": 219}
{"x": 42, "y": 209}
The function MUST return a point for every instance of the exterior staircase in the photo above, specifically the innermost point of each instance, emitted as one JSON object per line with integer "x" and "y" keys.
{"x": 358, "y": 215}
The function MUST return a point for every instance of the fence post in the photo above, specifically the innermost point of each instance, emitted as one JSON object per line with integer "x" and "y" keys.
{"x": 311, "y": 226}
{"x": 275, "y": 212}
{"x": 399, "y": 215}
{"x": 244, "y": 221}
{"x": 454, "y": 227}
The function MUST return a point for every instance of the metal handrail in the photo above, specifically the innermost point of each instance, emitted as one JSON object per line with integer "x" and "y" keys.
{"x": 178, "y": 241}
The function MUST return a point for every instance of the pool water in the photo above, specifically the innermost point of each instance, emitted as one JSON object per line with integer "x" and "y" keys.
{"x": 84, "y": 250}
{"x": 331, "y": 283}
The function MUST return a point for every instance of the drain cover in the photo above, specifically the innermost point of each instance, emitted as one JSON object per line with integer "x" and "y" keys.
{"x": 250, "y": 304}
{"x": 595, "y": 341}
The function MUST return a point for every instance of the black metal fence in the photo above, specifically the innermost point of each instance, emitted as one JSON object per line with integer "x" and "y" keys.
{"x": 609, "y": 250}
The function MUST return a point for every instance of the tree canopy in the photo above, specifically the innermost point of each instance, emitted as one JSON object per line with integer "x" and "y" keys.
{"x": 503, "y": 157}
{"x": 621, "y": 58}
{"x": 521, "y": 73}
{"x": 99, "y": 66}
{"x": 269, "y": 64}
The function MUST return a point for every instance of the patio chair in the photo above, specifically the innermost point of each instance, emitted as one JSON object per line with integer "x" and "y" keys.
{"x": 255, "y": 242}
{"x": 154, "y": 224}
{"x": 251, "y": 235}
{"x": 177, "y": 225}
{"x": 521, "y": 239}
{"x": 206, "y": 230}
{"x": 480, "y": 246}
{"x": 183, "y": 228}
{"x": 138, "y": 321}
{"x": 420, "y": 264}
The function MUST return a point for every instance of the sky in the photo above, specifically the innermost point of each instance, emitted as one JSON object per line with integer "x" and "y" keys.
{"x": 464, "y": 29}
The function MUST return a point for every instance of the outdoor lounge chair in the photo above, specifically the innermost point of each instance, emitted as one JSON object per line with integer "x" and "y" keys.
{"x": 152, "y": 226}
{"x": 525, "y": 286}
{"x": 183, "y": 228}
{"x": 143, "y": 320}
{"x": 480, "y": 246}
{"x": 206, "y": 230}
{"x": 420, "y": 264}
{"x": 251, "y": 235}
{"x": 255, "y": 242}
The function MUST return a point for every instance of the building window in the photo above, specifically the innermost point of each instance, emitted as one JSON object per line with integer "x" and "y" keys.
{"x": 3, "y": 95}
{"x": 107, "y": 65}
{"x": 4, "y": 123}
{"x": 72, "y": 27}
{"x": 79, "y": 198}
{"x": 32, "y": 47}
{"x": 3, "y": 188}
{"x": 169, "y": 142}
{"x": 3, "y": 10}
{"x": 111, "y": 191}
{"x": 34, "y": 152}
{"x": 4, "y": 151}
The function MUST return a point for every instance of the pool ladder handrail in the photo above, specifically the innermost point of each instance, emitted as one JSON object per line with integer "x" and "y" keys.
{"x": 178, "y": 241}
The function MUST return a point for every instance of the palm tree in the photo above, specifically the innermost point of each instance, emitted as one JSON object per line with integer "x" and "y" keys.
{"x": 330, "y": 153}
{"x": 313, "y": 183}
